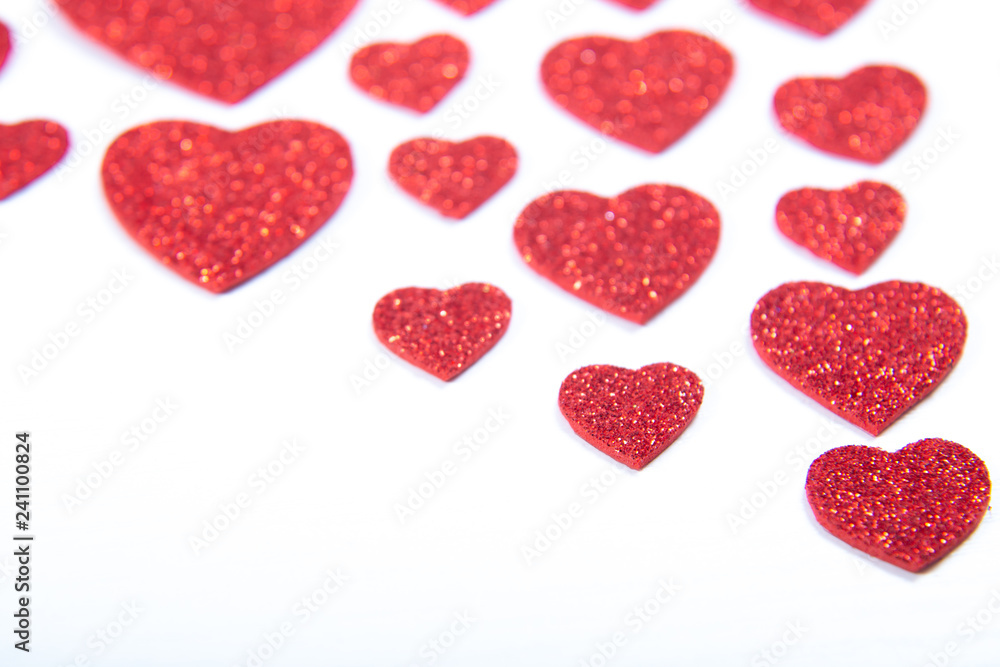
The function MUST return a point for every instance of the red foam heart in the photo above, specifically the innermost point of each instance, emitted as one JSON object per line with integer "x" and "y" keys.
{"x": 467, "y": 7}
{"x": 819, "y": 16}
{"x": 456, "y": 179}
{"x": 636, "y": 4}
{"x": 225, "y": 49}
{"x": 4, "y": 44}
{"x": 416, "y": 76}
{"x": 868, "y": 355}
{"x": 865, "y": 116}
{"x": 849, "y": 227}
{"x": 27, "y": 151}
{"x": 630, "y": 255}
{"x": 219, "y": 207}
{"x": 442, "y": 333}
{"x": 631, "y": 416}
{"x": 648, "y": 93}
{"x": 910, "y": 508}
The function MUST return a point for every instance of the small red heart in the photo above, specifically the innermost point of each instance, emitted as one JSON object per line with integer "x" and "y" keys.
{"x": 442, "y": 333}
{"x": 456, "y": 179}
{"x": 819, "y": 16}
{"x": 224, "y": 49}
{"x": 416, "y": 76}
{"x": 866, "y": 115}
{"x": 910, "y": 508}
{"x": 849, "y": 227}
{"x": 631, "y": 255}
{"x": 636, "y": 4}
{"x": 27, "y": 151}
{"x": 219, "y": 207}
{"x": 4, "y": 44}
{"x": 467, "y": 7}
{"x": 868, "y": 355}
{"x": 648, "y": 93}
{"x": 631, "y": 416}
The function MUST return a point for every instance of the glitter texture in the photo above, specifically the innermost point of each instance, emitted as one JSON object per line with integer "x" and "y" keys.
{"x": 910, "y": 508}
{"x": 648, "y": 93}
{"x": 467, "y": 7}
{"x": 27, "y": 151}
{"x": 219, "y": 207}
{"x": 635, "y": 4}
{"x": 4, "y": 44}
{"x": 442, "y": 333}
{"x": 865, "y": 116}
{"x": 630, "y": 255}
{"x": 849, "y": 227}
{"x": 868, "y": 355}
{"x": 225, "y": 49}
{"x": 631, "y": 416}
{"x": 416, "y": 76}
{"x": 454, "y": 178}
{"x": 819, "y": 16}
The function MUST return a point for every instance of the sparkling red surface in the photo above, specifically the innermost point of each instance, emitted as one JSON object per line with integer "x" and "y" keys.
{"x": 442, "y": 332}
{"x": 224, "y": 49}
{"x": 467, "y": 7}
{"x": 648, "y": 93}
{"x": 219, "y": 207}
{"x": 819, "y": 16}
{"x": 454, "y": 178}
{"x": 631, "y": 416}
{"x": 849, "y": 227}
{"x": 868, "y": 355}
{"x": 631, "y": 255}
{"x": 416, "y": 76}
{"x": 27, "y": 151}
{"x": 866, "y": 115}
{"x": 910, "y": 508}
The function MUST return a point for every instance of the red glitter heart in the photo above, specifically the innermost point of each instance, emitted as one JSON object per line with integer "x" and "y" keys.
{"x": 636, "y": 4}
{"x": 416, "y": 76}
{"x": 4, "y": 44}
{"x": 456, "y": 179}
{"x": 220, "y": 207}
{"x": 27, "y": 151}
{"x": 849, "y": 227}
{"x": 442, "y": 333}
{"x": 467, "y": 7}
{"x": 631, "y": 255}
{"x": 225, "y": 49}
{"x": 910, "y": 508}
{"x": 648, "y": 93}
{"x": 868, "y": 355}
{"x": 866, "y": 115}
{"x": 819, "y": 16}
{"x": 631, "y": 416}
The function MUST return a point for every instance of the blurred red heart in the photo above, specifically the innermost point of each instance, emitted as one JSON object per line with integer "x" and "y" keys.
{"x": 4, "y": 44}
{"x": 819, "y": 16}
{"x": 849, "y": 227}
{"x": 219, "y": 207}
{"x": 866, "y": 115}
{"x": 416, "y": 76}
{"x": 910, "y": 508}
{"x": 635, "y": 4}
{"x": 631, "y": 416}
{"x": 631, "y": 255}
{"x": 467, "y": 7}
{"x": 27, "y": 151}
{"x": 454, "y": 178}
{"x": 648, "y": 93}
{"x": 225, "y": 49}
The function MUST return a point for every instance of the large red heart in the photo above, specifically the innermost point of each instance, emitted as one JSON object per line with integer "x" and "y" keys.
{"x": 416, "y": 76}
{"x": 4, "y": 44}
{"x": 631, "y": 416}
{"x": 220, "y": 207}
{"x": 868, "y": 355}
{"x": 467, "y": 7}
{"x": 648, "y": 93}
{"x": 456, "y": 179}
{"x": 910, "y": 508}
{"x": 225, "y": 49}
{"x": 27, "y": 151}
{"x": 866, "y": 115}
{"x": 849, "y": 227}
{"x": 442, "y": 333}
{"x": 630, "y": 255}
{"x": 819, "y": 16}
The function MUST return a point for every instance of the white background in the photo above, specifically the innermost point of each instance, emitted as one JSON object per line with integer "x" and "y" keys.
{"x": 366, "y": 449}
